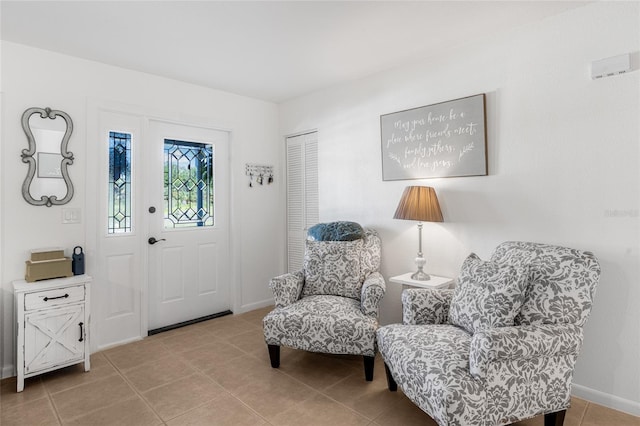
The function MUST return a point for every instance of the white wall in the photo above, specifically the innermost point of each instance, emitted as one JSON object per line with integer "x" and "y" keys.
{"x": 32, "y": 77}
{"x": 563, "y": 159}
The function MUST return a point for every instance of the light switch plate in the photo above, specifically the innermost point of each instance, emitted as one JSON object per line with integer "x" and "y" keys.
{"x": 71, "y": 215}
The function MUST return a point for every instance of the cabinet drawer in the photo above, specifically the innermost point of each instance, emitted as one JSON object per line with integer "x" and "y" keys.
{"x": 58, "y": 296}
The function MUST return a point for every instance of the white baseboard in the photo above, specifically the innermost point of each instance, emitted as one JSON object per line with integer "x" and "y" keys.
{"x": 608, "y": 400}
{"x": 7, "y": 371}
{"x": 120, "y": 343}
{"x": 255, "y": 305}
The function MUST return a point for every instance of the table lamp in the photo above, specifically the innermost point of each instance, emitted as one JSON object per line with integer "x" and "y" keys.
{"x": 419, "y": 203}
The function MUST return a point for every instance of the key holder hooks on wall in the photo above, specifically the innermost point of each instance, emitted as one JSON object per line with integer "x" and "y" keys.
{"x": 259, "y": 174}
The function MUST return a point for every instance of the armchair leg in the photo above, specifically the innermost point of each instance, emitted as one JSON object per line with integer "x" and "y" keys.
{"x": 391, "y": 384}
{"x": 368, "y": 367}
{"x": 274, "y": 355}
{"x": 554, "y": 419}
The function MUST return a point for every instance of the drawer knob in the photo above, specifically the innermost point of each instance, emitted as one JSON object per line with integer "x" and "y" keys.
{"x": 57, "y": 297}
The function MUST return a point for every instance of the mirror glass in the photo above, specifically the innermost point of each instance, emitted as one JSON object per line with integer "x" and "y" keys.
{"x": 48, "y": 132}
{"x": 48, "y": 135}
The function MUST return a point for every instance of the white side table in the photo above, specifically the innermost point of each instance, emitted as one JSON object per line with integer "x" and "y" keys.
{"x": 435, "y": 281}
{"x": 52, "y": 320}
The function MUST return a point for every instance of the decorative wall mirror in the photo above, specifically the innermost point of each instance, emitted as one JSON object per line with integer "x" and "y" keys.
{"x": 47, "y": 182}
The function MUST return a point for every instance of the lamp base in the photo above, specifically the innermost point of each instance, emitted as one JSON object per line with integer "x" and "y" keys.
{"x": 420, "y": 275}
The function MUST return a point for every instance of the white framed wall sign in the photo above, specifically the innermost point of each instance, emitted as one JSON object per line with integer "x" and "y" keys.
{"x": 441, "y": 140}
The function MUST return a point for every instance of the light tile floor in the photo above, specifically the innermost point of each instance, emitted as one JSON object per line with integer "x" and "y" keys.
{"x": 218, "y": 373}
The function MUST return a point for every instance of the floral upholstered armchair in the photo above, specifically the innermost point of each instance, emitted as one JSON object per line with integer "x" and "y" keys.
{"x": 331, "y": 306}
{"x": 501, "y": 346}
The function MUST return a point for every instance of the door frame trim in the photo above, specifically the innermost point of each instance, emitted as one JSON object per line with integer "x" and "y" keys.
{"x": 94, "y": 108}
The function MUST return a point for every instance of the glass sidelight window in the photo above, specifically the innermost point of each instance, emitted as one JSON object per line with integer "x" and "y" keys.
{"x": 188, "y": 184}
{"x": 119, "y": 203}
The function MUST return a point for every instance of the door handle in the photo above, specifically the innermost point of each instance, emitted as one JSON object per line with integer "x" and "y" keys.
{"x": 153, "y": 240}
{"x": 57, "y": 297}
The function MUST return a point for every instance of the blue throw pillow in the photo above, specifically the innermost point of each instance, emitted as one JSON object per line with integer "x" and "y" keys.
{"x": 335, "y": 231}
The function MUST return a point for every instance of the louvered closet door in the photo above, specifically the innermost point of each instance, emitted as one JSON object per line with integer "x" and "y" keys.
{"x": 302, "y": 194}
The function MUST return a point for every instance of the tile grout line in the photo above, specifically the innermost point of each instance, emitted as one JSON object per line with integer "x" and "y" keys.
{"x": 139, "y": 394}
{"x": 88, "y": 412}
{"x": 203, "y": 373}
{"x": 371, "y": 420}
{"x": 584, "y": 413}
{"x": 318, "y": 391}
{"x": 53, "y": 405}
{"x": 277, "y": 371}
{"x": 197, "y": 371}
{"x": 174, "y": 353}
{"x": 321, "y": 392}
{"x": 228, "y": 392}
{"x": 211, "y": 379}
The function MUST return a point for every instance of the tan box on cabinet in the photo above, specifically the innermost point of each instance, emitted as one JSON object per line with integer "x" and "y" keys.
{"x": 46, "y": 269}
{"x": 47, "y": 254}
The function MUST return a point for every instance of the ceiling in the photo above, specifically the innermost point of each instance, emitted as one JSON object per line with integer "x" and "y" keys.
{"x": 270, "y": 50}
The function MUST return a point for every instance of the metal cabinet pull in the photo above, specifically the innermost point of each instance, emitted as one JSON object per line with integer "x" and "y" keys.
{"x": 57, "y": 297}
{"x": 81, "y": 332}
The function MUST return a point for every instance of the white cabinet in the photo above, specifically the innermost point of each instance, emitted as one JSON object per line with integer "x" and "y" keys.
{"x": 52, "y": 319}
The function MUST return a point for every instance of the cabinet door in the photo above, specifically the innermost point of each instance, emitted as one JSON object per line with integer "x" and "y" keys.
{"x": 53, "y": 337}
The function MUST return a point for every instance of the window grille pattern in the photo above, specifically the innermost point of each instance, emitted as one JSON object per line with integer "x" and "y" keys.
{"x": 188, "y": 184}
{"x": 119, "y": 203}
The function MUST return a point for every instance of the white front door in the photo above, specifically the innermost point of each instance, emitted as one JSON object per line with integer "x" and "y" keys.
{"x": 187, "y": 184}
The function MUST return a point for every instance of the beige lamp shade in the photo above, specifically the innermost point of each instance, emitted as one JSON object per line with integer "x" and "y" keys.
{"x": 419, "y": 203}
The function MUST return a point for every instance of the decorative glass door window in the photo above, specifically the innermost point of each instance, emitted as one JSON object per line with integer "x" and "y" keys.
{"x": 188, "y": 184}
{"x": 119, "y": 204}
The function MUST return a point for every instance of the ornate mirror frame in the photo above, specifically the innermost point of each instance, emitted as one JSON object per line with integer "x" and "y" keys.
{"x": 28, "y": 157}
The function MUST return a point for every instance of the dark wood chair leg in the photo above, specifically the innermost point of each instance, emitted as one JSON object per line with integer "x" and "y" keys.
{"x": 391, "y": 384}
{"x": 274, "y": 355}
{"x": 368, "y": 367}
{"x": 554, "y": 419}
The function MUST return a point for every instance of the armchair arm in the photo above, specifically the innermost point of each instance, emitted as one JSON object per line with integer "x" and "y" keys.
{"x": 372, "y": 292}
{"x": 426, "y": 306}
{"x": 287, "y": 288}
{"x": 522, "y": 342}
